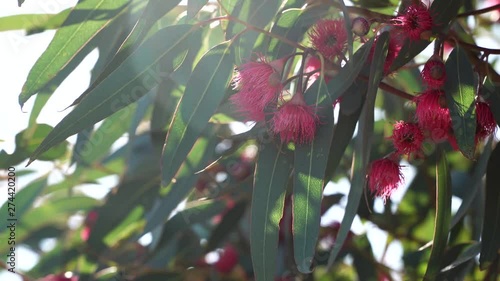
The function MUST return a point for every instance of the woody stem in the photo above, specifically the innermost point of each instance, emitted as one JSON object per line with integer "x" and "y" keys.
{"x": 480, "y": 11}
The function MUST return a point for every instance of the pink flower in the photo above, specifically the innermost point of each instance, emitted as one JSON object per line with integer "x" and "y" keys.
{"x": 329, "y": 37}
{"x": 416, "y": 22}
{"x": 407, "y": 137}
{"x": 433, "y": 115}
{"x": 295, "y": 121}
{"x": 485, "y": 121}
{"x": 384, "y": 177}
{"x": 434, "y": 73}
{"x": 259, "y": 84}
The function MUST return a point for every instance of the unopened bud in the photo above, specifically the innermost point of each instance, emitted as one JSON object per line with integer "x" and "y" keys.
{"x": 360, "y": 26}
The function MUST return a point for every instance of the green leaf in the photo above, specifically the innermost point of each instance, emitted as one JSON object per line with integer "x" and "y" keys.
{"x": 23, "y": 199}
{"x": 283, "y": 27}
{"x": 443, "y": 217}
{"x": 258, "y": 14}
{"x": 204, "y": 92}
{"x": 196, "y": 160}
{"x": 490, "y": 244}
{"x": 27, "y": 141}
{"x": 101, "y": 140}
{"x": 34, "y": 22}
{"x": 93, "y": 16}
{"x": 363, "y": 144}
{"x": 348, "y": 74}
{"x": 460, "y": 89}
{"x": 343, "y": 132}
{"x": 477, "y": 179}
{"x": 309, "y": 171}
{"x": 470, "y": 252}
{"x": 268, "y": 199}
{"x": 129, "y": 82}
{"x": 293, "y": 25}
{"x": 195, "y": 212}
{"x": 106, "y": 41}
{"x": 138, "y": 187}
{"x": 153, "y": 12}
{"x": 228, "y": 224}
{"x": 194, "y": 6}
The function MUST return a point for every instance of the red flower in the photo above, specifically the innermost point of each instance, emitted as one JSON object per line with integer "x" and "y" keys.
{"x": 228, "y": 259}
{"x": 407, "y": 137}
{"x": 434, "y": 73}
{"x": 329, "y": 37}
{"x": 295, "y": 121}
{"x": 415, "y": 20}
{"x": 485, "y": 121}
{"x": 384, "y": 177}
{"x": 259, "y": 84}
{"x": 433, "y": 115}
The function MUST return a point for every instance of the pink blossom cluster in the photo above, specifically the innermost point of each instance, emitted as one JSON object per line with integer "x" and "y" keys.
{"x": 432, "y": 115}
{"x": 263, "y": 93}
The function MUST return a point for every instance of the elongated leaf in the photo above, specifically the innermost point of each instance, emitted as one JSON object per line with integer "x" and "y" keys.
{"x": 363, "y": 144}
{"x": 133, "y": 79}
{"x": 477, "y": 179}
{"x": 443, "y": 217}
{"x": 460, "y": 89}
{"x": 22, "y": 199}
{"x": 69, "y": 40}
{"x": 101, "y": 140}
{"x": 342, "y": 135}
{"x": 469, "y": 253}
{"x": 228, "y": 224}
{"x": 107, "y": 41}
{"x": 154, "y": 10}
{"x": 268, "y": 199}
{"x": 194, "y": 6}
{"x": 26, "y": 142}
{"x": 490, "y": 244}
{"x": 346, "y": 77}
{"x": 198, "y": 158}
{"x": 204, "y": 92}
{"x": 34, "y": 22}
{"x": 293, "y": 25}
{"x": 256, "y": 13}
{"x": 309, "y": 171}
{"x": 195, "y": 212}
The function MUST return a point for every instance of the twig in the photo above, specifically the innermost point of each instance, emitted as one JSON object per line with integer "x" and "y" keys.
{"x": 480, "y": 11}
